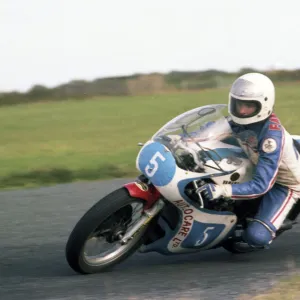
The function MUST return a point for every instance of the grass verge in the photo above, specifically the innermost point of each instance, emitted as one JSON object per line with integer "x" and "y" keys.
{"x": 46, "y": 177}
{"x": 55, "y": 142}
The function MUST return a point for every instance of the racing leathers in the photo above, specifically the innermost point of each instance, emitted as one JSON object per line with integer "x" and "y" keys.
{"x": 277, "y": 177}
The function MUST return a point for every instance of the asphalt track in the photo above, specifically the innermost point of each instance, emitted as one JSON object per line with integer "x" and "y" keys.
{"x": 34, "y": 227}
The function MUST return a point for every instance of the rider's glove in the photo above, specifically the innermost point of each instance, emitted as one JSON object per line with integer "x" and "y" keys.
{"x": 212, "y": 192}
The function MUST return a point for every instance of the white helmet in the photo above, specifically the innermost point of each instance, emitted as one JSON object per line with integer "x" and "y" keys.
{"x": 254, "y": 88}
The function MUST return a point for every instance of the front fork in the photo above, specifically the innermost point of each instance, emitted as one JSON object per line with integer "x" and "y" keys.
{"x": 153, "y": 205}
{"x": 148, "y": 215}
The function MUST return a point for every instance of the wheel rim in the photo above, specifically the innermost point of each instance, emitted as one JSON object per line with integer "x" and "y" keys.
{"x": 103, "y": 245}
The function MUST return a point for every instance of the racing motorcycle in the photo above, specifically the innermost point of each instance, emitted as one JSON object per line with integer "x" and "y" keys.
{"x": 162, "y": 210}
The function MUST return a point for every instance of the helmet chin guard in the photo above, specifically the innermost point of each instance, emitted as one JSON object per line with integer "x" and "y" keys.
{"x": 253, "y": 89}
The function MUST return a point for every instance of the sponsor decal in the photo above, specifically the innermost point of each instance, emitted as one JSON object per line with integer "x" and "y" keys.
{"x": 186, "y": 224}
{"x": 230, "y": 182}
{"x": 269, "y": 145}
{"x": 275, "y": 123}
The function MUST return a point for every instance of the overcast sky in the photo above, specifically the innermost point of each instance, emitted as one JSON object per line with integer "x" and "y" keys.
{"x": 53, "y": 41}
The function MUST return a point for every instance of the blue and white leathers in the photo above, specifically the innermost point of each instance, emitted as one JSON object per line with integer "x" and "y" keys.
{"x": 277, "y": 176}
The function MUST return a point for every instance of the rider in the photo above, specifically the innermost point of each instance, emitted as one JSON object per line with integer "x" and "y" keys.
{"x": 271, "y": 148}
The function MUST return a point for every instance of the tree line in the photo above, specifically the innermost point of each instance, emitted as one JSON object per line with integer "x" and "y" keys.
{"x": 138, "y": 84}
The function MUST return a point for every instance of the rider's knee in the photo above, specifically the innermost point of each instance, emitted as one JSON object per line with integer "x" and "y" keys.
{"x": 258, "y": 234}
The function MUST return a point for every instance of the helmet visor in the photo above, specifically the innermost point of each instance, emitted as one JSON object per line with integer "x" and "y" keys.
{"x": 244, "y": 108}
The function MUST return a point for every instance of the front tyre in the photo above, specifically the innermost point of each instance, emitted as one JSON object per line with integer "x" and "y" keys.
{"x": 102, "y": 226}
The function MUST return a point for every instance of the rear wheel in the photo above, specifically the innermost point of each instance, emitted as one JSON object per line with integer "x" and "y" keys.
{"x": 237, "y": 247}
{"x": 94, "y": 244}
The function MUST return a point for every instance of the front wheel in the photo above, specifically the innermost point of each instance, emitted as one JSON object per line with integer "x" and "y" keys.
{"x": 94, "y": 244}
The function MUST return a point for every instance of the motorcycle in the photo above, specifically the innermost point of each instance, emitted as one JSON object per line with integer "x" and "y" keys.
{"x": 162, "y": 210}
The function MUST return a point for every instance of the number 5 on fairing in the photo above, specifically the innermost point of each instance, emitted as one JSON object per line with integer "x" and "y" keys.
{"x": 150, "y": 171}
{"x": 200, "y": 242}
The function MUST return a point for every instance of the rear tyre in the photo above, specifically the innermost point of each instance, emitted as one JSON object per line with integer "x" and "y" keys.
{"x": 237, "y": 247}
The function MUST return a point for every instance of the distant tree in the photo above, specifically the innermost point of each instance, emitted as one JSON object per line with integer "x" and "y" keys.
{"x": 38, "y": 92}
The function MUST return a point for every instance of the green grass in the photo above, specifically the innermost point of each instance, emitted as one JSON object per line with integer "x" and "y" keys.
{"x": 52, "y": 142}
